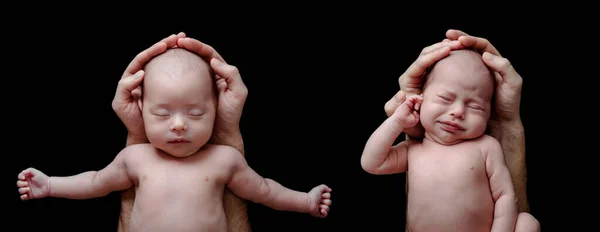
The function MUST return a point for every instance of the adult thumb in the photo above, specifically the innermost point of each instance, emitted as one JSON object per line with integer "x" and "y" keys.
{"x": 127, "y": 85}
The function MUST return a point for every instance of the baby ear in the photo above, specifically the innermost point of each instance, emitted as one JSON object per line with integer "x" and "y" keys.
{"x": 137, "y": 95}
{"x": 140, "y": 104}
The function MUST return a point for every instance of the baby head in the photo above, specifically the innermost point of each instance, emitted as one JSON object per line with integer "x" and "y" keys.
{"x": 178, "y": 102}
{"x": 457, "y": 98}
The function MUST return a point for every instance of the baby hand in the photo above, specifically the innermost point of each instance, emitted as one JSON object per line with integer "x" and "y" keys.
{"x": 319, "y": 201}
{"x": 33, "y": 184}
{"x": 406, "y": 114}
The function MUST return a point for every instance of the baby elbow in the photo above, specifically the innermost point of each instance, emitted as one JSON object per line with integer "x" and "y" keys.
{"x": 368, "y": 167}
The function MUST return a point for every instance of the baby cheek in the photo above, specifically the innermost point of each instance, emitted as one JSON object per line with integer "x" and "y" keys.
{"x": 155, "y": 131}
{"x": 425, "y": 118}
{"x": 479, "y": 125}
{"x": 426, "y": 111}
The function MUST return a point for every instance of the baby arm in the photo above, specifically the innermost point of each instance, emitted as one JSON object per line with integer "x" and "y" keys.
{"x": 35, "y": 184}
{"x": 505, "y": 209}
{"x": 247, "y": 184}
{"x": 379, "y": 156}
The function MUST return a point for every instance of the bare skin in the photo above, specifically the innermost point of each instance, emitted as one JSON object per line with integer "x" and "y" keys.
{"x": 165, "y": 199}
{"x": 232, "y": 96}
{"x": 449, "y": 186}
{"x": 179, "y": 179}
{"x": 457, "y": 177}
{"x": 505, "y": 122}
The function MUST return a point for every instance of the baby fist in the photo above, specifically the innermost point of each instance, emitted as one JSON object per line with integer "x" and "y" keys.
{"x": 33, "y": 184}
{"x": 319, "y": 201}
{"x": 407, "y": 114}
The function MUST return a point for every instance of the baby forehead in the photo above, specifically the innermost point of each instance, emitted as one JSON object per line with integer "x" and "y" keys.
{"x": 463, "y": 58}
{"x": 177, "y": 58}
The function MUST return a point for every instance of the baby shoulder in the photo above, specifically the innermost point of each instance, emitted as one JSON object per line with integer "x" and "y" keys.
{"x": 137, "y": 152}
{"x": 489, "y": 141}
{"x": 490, "y": 147}
{"x": 226, "y": 155}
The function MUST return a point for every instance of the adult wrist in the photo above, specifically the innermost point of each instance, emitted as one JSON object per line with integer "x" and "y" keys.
{"x": 136, "y": 139}
{"x": 227, "y": 132}
{"x": 229, "y": 138}
{"x": 513, "y": 125}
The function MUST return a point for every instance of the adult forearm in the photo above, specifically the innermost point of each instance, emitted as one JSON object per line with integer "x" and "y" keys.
{"x": 236, "y": 213}
{"x": 233, "y": 139}
{"x": 511, "y": 136}
{"x": 127, "y": 199}
{"x": 135, "y": 139}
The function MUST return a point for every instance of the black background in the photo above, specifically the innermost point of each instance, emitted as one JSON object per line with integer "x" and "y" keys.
{"x": 317, "y": 87}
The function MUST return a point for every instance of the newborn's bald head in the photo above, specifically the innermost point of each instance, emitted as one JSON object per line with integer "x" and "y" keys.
{"x": 177, "y": 65}
{"x": 466, "y": 62}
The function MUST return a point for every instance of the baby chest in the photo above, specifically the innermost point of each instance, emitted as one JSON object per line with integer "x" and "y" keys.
{"x": 179, "y": 176}
{"x": 446, "y": 167}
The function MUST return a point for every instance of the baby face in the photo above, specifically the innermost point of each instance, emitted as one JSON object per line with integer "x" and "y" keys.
{"x": 179, "y": 102}
{"x": 457, "y": 98}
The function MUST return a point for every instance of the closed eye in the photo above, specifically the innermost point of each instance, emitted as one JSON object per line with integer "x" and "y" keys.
{"x": 195, "y": 113}
{"x": 476, "y": 107}
{"x": 161, "y": 113}
{"x": 445, "y": 98}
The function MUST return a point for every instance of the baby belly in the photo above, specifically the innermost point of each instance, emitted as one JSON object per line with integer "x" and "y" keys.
{"x": 466, "y": 210}
{"x": 177, "y": 215}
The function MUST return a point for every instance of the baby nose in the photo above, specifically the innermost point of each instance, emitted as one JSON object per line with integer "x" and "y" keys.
{"x": 178, "y": 124}
{"x": 458, "y": 112}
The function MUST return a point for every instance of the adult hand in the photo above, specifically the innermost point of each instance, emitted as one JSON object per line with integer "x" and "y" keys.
{"x": 508, "y": 82}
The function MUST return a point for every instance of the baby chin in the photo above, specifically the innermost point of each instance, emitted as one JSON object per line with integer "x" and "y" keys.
{"x": 445, "y": 137}
{"x": 180, "y": 149}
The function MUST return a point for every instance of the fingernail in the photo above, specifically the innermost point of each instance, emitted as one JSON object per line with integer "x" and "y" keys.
{"x": 137, "y": 75}
{"x": 488, "y": 56}
{"x": 218, "y": 63}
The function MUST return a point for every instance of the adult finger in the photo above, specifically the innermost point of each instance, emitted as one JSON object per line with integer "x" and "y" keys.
{"x": 453, "y": 44}
{"x": 453, "y": 34}
{"x": 203, "y": 50}
{"x": 230, "y": 74}
{"x": 480, "y": 44}
{"x": 127, "y": 85}
{"x": 170, "y": 40}
{"x": 503, "y": 67}
{"x": 179, "y": 36}
{"x": 411, "y": 80}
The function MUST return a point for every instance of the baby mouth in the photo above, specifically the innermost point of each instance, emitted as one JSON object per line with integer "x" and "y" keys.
{"x": 451, "y": 126}
{"x": 178, "y": 141}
